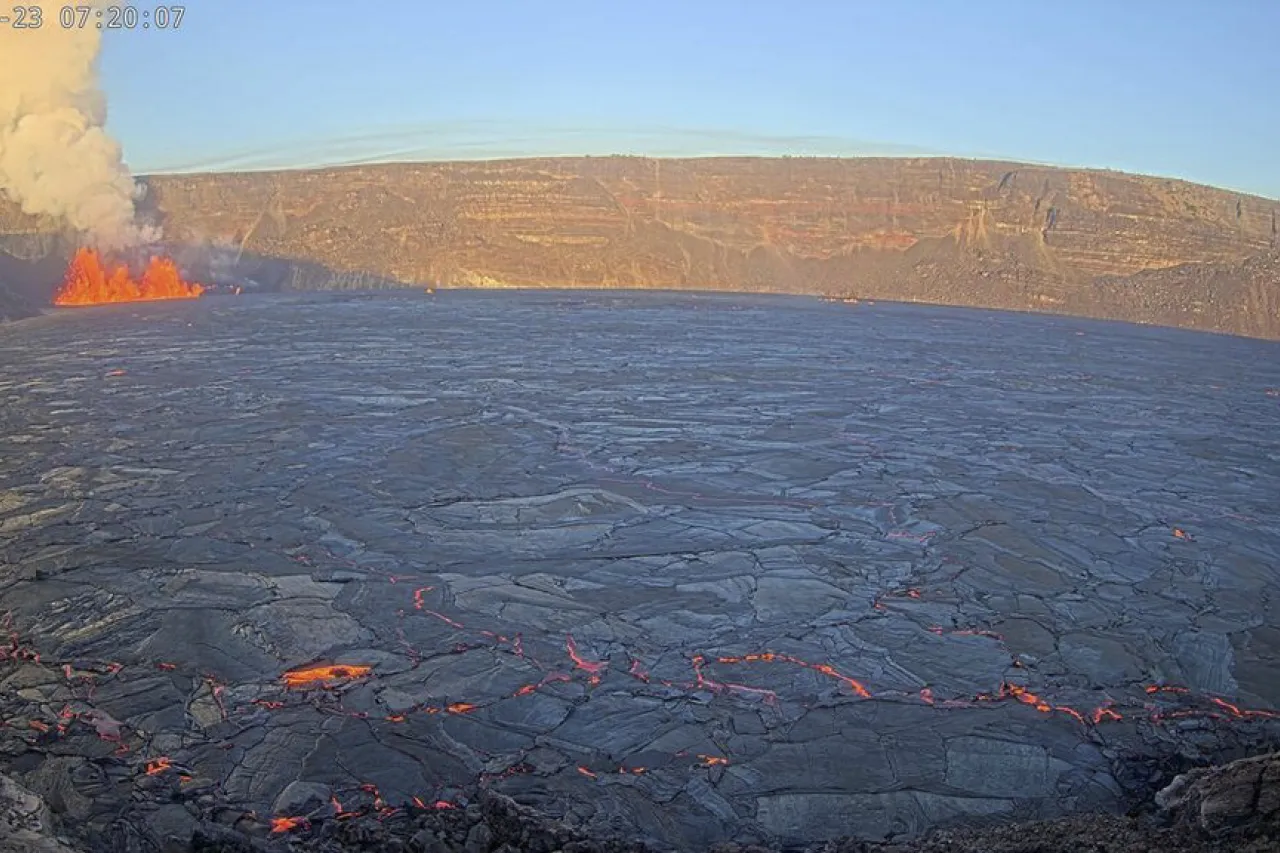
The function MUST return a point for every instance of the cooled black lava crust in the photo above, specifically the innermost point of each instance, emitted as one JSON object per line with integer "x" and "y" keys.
{"x": 685, "y": 568}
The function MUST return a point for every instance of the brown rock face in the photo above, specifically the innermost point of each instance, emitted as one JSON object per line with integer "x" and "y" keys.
{"x": 1221, "y": 800}
{"x": 948, "y": 231}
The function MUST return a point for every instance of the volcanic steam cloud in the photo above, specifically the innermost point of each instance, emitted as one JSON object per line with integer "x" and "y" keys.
{"x": 56, "y": 158}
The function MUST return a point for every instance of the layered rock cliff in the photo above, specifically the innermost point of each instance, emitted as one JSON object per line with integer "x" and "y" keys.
{"x": 951, "y": 231}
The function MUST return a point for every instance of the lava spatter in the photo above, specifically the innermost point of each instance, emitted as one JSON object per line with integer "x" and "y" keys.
{"x": 288, "y": 824}
{"x": 324, "y": 676}
{"x": 158, "y": 766}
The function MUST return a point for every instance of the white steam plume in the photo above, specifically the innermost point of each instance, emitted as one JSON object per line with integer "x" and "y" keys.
{"x": 55, "y": 157}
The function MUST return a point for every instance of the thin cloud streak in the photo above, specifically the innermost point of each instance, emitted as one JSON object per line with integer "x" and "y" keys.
{"x": 497, "y": 140}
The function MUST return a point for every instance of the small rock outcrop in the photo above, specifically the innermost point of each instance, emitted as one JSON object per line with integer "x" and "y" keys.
{"x": 25, "y": 822}
{"x": 1243, "y": 796}
{"x": 14, "y": 307}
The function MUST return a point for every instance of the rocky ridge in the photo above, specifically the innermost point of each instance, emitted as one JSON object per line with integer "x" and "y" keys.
{"x": 948, "y": 231}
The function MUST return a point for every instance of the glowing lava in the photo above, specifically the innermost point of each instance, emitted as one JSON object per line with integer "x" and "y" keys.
{"x": 91, "y": 281}
{"x": 592, "y": 667}
{"x": 825, "y": 668}
{"x": 438, "y": 805}
{"x": 287, "y": 824}
{"x": 155, "y": 768}
{"x": 324, "y": 676}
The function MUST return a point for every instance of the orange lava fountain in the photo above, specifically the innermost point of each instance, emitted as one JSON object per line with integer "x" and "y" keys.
{"x": 91, "y": 281}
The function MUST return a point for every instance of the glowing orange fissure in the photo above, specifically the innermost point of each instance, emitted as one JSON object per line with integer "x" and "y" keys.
{"x": 333, "y": 676}
{"x": 378, "y": 807}
{"x": 92, "y": 281}
{"x": 858, "y": 688}
{"x": 592, "y": 667}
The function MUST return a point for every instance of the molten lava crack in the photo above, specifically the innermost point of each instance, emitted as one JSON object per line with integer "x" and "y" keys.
{"x": 325, "y": 677}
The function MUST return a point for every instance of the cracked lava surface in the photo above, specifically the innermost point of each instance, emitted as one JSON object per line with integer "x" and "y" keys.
{"x": 684, "y": 568}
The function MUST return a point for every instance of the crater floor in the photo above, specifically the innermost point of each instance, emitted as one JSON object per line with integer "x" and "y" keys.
{"x": 686, "y": 568}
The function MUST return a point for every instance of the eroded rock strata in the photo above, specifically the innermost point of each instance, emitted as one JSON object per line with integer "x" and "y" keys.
{"x": 947, "y": 231}
{"x": 681, "y": 570}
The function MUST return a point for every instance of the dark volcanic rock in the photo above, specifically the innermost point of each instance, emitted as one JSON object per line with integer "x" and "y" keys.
{"x": 26, "y": 824}
{"x": 13, "y": 306}
{"x": 302, "y": 799}
{"x": 680, "y": 569}
{"x": 31, "y": 267}
{"x": 1248, "y": 790}
{"x": 1221, "y": 801}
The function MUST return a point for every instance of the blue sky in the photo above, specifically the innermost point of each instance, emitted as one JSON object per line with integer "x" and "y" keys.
{"x": 1185, "y": 88}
